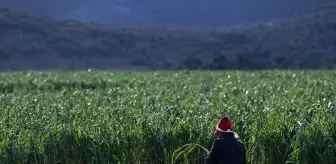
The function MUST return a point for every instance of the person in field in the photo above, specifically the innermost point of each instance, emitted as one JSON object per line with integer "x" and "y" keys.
{"x": 226, "y": 148}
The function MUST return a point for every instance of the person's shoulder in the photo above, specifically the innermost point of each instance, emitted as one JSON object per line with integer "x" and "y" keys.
{"x": 218, "y": 139}
{"x": 239, "y": 141}
{"x": 241, "y": 144}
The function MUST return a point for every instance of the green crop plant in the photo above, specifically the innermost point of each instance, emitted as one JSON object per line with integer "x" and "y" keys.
{"x": 165, "y": 117}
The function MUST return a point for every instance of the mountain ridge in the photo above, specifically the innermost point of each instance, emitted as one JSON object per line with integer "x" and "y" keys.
{"x": 36, "y": 42}
{"x": 166, "y": 14}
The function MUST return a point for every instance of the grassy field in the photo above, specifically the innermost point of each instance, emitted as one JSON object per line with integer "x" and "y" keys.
{"x": 143, "y": 117}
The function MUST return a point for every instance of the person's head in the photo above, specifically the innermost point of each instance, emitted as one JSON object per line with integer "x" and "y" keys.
{"x": 224, "y": 124}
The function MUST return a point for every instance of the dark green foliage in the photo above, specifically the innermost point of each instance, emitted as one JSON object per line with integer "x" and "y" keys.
{"x": 144, "y": 117}
{"x": 191, "y": 63}
{"x": 220, "y": 62}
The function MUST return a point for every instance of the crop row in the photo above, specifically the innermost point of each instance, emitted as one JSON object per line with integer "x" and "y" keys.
{"x": 143, "y": 117}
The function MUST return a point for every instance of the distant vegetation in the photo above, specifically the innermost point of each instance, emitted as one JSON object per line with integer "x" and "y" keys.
{"x": 32, "y": 42}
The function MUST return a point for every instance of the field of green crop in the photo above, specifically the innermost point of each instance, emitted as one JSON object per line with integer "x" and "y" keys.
{"x": 143, "y": 117}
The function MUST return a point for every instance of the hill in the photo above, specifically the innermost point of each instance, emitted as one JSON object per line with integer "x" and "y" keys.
{"x": 35, "y": 42}
{"x": 166, "y": 14}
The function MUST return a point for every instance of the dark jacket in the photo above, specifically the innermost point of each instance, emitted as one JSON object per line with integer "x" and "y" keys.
{"x": 226, "y": 149}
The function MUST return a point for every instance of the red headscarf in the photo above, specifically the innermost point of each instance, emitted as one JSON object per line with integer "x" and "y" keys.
{"x": 224, "y": 124}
